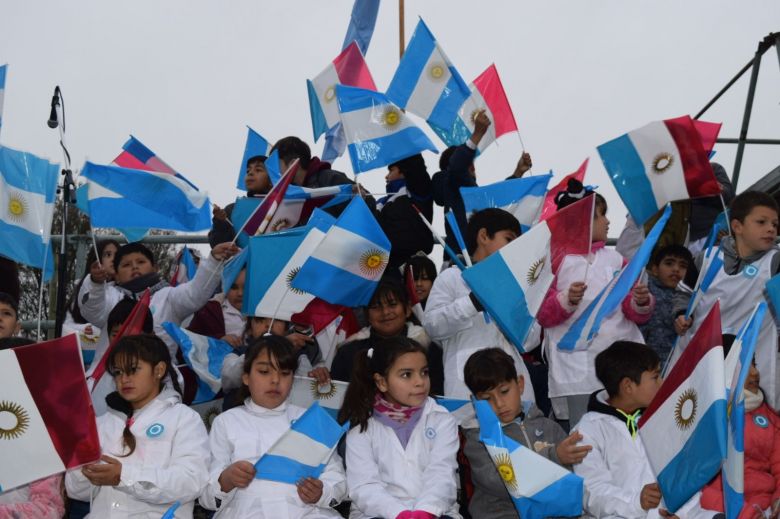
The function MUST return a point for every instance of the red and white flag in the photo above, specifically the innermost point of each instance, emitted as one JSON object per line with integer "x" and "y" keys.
{"x": 487, "y": 93}
{"x": 258, "y": 221}
{"x": 47, "y": 423}
{"x": 570, "y": 230}
{"x": 549, "y": 207}
{"x": 414, "y": 301}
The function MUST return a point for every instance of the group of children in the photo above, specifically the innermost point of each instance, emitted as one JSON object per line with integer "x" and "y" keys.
{"x": 405, "y": 455}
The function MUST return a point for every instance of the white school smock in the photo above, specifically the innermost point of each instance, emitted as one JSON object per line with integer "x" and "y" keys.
{"x": 246, "y": 433}
{"x": 452, "y": 321}
{"x": 574, "y": 372}
{"x": 384, "y": 479}
{"x": 738, "y": 295}
{"x": 169, "y": 463}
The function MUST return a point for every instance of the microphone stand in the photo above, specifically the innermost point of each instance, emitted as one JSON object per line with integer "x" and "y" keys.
{"x": 68, "y": 192}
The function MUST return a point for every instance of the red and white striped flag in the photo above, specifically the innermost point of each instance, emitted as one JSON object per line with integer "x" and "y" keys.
{"x": 258, "y": 221}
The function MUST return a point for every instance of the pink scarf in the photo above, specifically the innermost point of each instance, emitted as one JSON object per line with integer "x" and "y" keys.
{"x": 396, "y": 412}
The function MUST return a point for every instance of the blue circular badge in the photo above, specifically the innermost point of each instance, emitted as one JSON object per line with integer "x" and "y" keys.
{"x": 430, "y": 433}
{"x": 761, "y": 421}
{"x": 750, "y": 271}
{"x": 155, "y": 430}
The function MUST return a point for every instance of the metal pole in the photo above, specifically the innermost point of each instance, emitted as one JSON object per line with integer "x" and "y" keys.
{"x": 725, "y": 88}
{"x": 401, "y": 38}
{"x": 746, "y": 117}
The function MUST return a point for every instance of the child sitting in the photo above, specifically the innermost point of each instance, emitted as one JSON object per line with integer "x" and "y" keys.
{"x": 400, "y": 452}
{"x": 240, "y": 436}
{"x": 221, "y": 317}
{"x": 9, "y": 316}
{"x": 667, "y": 268}
{"x": 491, "y": 375}
{"x": 424, "y": 274}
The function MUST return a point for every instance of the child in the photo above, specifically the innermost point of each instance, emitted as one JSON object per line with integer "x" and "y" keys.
{"x": 578, "y": 282}
{"x": 424, "y": 274}
{"x": 221, "y": 317}
{"x": 750, "y": 259}
{"x": 135, "y": 272}
{"x": 762, "y": 456}
{"x": 454, "y": 317}
{"x": 667, "y": 268}
{"x": 154, "y": 447}
{"x": 9, "y": 316}
{"x": 400, "y": 452}
{"x": 240, "y": 436}
{"x": 257, "y": 183}
{"x": 491, "y": 375}
{"x": 618, "y": 478}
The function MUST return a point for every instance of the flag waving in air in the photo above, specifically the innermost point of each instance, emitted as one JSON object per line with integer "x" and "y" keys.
{"x": 523, "y": 197}
{"x": 255, "y": 145}
{"x": 135, "y": 155}
{"x": 258, "y": 222}
{"x": 3, "y": 71}
{"x": 571, "y": 230}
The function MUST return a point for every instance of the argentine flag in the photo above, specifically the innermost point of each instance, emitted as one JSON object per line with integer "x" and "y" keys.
{"x": 204, "y": 355}
{"x": 539, "y": 488}
{"x": 426, "y": 83}
{"x": 255, "y": 145}
{"x": 304, "y": 450}
{"x": 378, "y": 132}
{"x": 523, "y": 197}
{"x": 28, "y": 186}
{"x": 306, "y": 391}
{"x": 344, "y": 269}
{"x": 3, "y": 71}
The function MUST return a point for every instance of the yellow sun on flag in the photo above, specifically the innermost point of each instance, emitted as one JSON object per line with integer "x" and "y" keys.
{"x": 17, "y": 207}
{"x": 436, "y": 71}
{"x": 330, "y": 94}
{"x": 662, "y": 162}
{"x": 536, "y": 270}
{"x": 391, "y": 117}
{"x": 16, "y": 424}
{"x": 289, "y": 279}
{"x": 505, "y": 469}
{"x": 324, "y": 392}
{"x": 373, "y": 262}
{"x": 685, "y": 409}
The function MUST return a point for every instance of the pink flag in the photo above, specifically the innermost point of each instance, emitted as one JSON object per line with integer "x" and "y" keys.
{"x": 549, "y": 199}
{"x": 570, "y": 230}
{"x": 487, "y": 93}
{"x": 708, "y": 133}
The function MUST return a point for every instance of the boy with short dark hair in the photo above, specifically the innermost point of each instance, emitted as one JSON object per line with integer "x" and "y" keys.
{"x": 490, "y": 375}
{"x": 668, "y": 267}
{"x": 618, "y": 479}
{"x": 9, "y": 316}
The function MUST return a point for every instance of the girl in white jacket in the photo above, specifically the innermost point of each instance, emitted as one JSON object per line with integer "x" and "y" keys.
{"x": 401, "y": 451}
{"x": 154, "y": 447}
{"x": 240, "y": 436}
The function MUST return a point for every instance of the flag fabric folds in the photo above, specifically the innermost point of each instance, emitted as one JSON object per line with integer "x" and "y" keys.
{"x": 349, "y": 68}
{"x": 684, "y": 427}
{"x": 549, "y": 208}
{"x": 28, "y": 186}
{"x": 658, "y": 163}
{"x": 260, "y": 219}
{"x": 378, "y": 133}
{"x": 587, "y": 325}
{"x": 571, "y": 230}
{"x": 345, "y": 268}
{"x": 255, "y": 145}
{"x": 512, "y": 282}
{"x": 361, "y": 24}
{"x": 414, "y": 301}
{"x": 305, "y": 391}
{"x": 523, "y": 197}
{"x": 185, "y": 268}
{"x": 461, "y": 410}
{"x": 539, "y": 487}
{"x": 232, "y": 269}
{"x": 48, "y": 420}
{"x": 135, "y": 155}
{"x": 304, "y": 449}
{"x": 426, "y": 83}
{"x": 3, "y": 72}
{"x": 205, "y": 356}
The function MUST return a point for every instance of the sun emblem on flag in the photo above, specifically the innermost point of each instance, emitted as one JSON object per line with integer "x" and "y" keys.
{"x": 373, "y": 262}
{"x": 324, "y": 391}
{"x": 209, "y": 416}
{"x": 536, "y": 270}
{"x": 330, "y": 94}
{"x": 685, "y": 409}
{"x": 281, "y": 224}
{"x": 17, "y": 207}
{"x": 391, "y": 117}
{"x": 16, "y": 424}
{"x": 289, "y": 279}
{"x": 506, "y": 470}
{"x": 662, "y": 162}
{"x": 436, "y": 71}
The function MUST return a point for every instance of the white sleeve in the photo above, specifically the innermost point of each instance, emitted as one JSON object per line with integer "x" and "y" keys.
{"x": 446, "y": 313}
{"x": 77, "y": 485}
{"x": 603, "y": 498}
{"x": 232, "y": 369}
{"x": 441, "y": 488}
{"x": 334, "y": 482}
{"x": 364, "y": 483}
{"x": 187, "y": 298}
{"x": 184, "y": 476}
{"x": 96, "y": 300}
{"x": 213, "y": 497}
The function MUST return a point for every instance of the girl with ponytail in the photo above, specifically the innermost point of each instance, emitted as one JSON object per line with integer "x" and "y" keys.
{"x": 154, "y": 447}
{"x": 400, "y": 453}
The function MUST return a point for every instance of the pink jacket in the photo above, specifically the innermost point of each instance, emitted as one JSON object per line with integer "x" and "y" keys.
{"x": 42, "y": 499}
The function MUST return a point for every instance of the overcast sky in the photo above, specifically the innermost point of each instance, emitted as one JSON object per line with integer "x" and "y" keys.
{"x": 186, "y": 76}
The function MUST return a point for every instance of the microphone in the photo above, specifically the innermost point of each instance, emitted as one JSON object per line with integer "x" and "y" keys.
{"x": 55, "y": 102}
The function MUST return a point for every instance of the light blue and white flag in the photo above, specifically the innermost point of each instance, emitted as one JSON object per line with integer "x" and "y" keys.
{"x": 344, "y": 269}
{"x": 523, "y": 197}
{"x": 461, "y": 410}
{"x": 426, "y": 83}
{"x": 304, "y": 450}
{"x": 255, "y": 145}
{"x": 3, "y": 70}
{"x": 361, "y": 24}
{"x": 378, "y": 132}
{"x": 738, "y": 363}
{"x": 586, "y": 326}
{"x": 204, "y": 355}
{"x": 28, "y": 186}
{"x": 185, "y": 269}
{"x": 512, "y": 282}
{"x": 539, "y": 488}
{"x": 305, "y": 392}
{"x": 233, "y": 268}
{"x": 131, "y": 198}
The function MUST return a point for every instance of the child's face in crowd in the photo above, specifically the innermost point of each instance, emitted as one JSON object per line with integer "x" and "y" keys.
{"x": 640, "y": 395}
{"x": 670, "y": 270}
{"x": 753, "y": 378}
{"x": 268, "y": 385}
{"x": 407, "y": 382}
{"x": 133, "y": 265}
{"x": 488, "y": 245}
{"x": 235, "y": 295}
{"x": 9, "y": 322}
{"x": 387, "y": 316}
{"x": 393, "y": 173}
{"x": 505, "y": 399}
{"x": 422, "y": 286}
{"x": 600, "y": 225}
{"x": 259, "y": 326}
{"x": 757, "y": 233}
{"x": 138, "y": 382}
{"x": 256, "y": 178}
{"x": 107, "y": 259}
